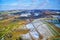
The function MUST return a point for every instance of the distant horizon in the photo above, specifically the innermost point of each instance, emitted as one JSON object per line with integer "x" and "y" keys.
{"x": 30, "y": 9}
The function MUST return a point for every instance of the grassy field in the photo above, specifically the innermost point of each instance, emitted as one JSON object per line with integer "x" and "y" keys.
{"x": 7, "y": 26}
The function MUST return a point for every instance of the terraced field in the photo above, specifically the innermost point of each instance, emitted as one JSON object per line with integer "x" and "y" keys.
{"x": 11, "y": 29}
{"x": 8, "y": 25}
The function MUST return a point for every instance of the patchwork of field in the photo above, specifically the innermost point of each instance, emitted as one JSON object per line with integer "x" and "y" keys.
{"x": 12, "y": 27}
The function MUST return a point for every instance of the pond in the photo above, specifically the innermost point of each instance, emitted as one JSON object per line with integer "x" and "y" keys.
{"x": 57, "y": 25}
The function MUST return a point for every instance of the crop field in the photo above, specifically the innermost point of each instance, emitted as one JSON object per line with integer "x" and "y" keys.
{"x": 13, "y": 26}
{"x": 7, "y": 26}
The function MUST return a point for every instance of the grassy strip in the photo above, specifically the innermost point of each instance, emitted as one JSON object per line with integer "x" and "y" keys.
{"x": 52, "y": 30}
{"x": 9, "y": 27}
{"x": 53, "y": 27}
